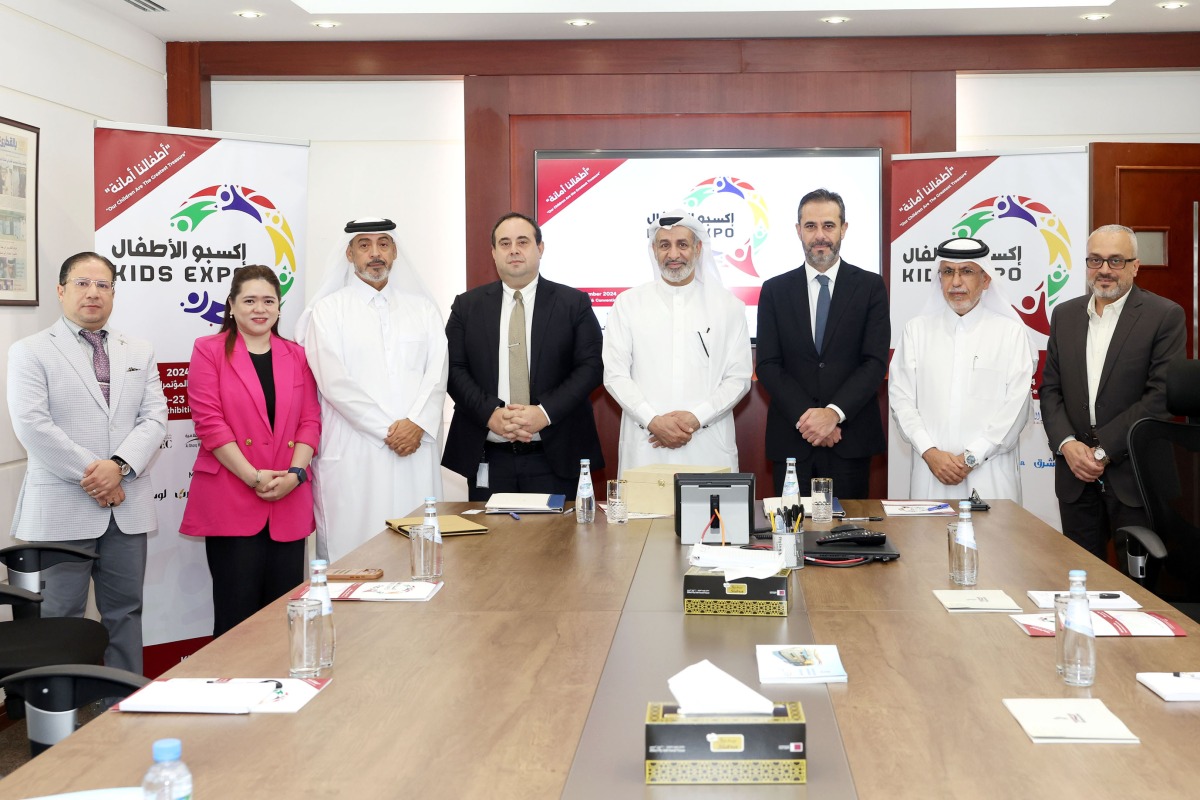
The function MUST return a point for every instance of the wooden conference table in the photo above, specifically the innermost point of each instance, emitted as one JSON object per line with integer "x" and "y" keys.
{"x": 528, "y": 677}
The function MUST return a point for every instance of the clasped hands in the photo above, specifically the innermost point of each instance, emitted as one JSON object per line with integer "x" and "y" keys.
{"x": 272, "y": 484}
{"x": 1082, "y": 461}
{"x": 820, "y": 427}
{"x": 516, "y": 422}
{"x": 673, "y": 429}
{"x": 102, "y": 482}
{"x": 403, "y": 437}
{"x": 948, "y": 468}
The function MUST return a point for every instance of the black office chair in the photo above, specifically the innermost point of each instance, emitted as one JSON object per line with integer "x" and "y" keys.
{"x": 28, "y": 640}
{"x": 54, "y": 695}
{"x": 1165, "y": 557}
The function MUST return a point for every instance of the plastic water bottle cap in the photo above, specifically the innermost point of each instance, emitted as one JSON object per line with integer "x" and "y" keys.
{"x": 168, "y": 750}
{"x": 585, "y": 461}
{"x": 1077, "y": 573}
{"x": 791, "y": 462}
{"x": 430, "y": 499}
{"x": 318, "y": 562}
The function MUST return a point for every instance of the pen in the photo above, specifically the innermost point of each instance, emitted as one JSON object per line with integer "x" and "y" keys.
{"x": 514, "y": 515}
{"x": 938, "y": 507}
{"x": 1186, "y": 674}
{"x": 862, "y": 519}
{"x": 702, "y": 344}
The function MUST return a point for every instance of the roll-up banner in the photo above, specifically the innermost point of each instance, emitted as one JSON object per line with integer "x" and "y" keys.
{"x": 177, "y": 212}
{"x": 1031, "y": 208}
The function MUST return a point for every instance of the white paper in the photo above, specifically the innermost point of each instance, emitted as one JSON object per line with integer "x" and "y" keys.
{"x": 736, "y": 562}
{"x": 1055, "y": 720}
{"x": 224, "y": 695}
{"x": 703, "y": 689}
{"x": 1173, "y": 686}
{"x": 1046, "y": 600}
{"x": 799, "y": 663}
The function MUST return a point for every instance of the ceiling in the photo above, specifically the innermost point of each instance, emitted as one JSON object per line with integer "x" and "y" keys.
{"x": 287, "y": 20}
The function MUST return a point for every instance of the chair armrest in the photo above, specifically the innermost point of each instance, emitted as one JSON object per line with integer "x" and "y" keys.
{"x": 64, "y": 686}
{"x": 16, "y": 596}
{"x": 36, "y": 556}
{"x": 1148, "y": 538}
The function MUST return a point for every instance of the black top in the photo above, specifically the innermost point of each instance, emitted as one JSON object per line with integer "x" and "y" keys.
{"x": 266, "y": 377}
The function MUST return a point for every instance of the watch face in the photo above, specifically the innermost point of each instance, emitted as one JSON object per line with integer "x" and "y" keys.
{"x": 972, "y": 461}
{"x": 1100, "y": 454}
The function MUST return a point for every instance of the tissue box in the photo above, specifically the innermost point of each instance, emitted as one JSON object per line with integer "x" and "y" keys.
{"x": 652, "y": 487}
{"x": 705, "y": 591}
{"x": 725, "y": 749}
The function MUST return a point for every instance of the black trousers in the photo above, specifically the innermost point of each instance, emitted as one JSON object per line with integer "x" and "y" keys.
{"x": 851, "y": 476}
{"x": 1091, "y": 520}
{"x": 248, "y": 573}
{"x": 520, "y": 472}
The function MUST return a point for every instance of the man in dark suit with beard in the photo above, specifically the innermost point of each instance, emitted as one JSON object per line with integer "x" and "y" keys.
{"x": 823, "y": 335}
{"x": 1106, "y": 367}
{"x": 525, "y": 354}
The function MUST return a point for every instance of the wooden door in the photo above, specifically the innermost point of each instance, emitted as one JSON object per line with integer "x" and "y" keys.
{"x": 1154, "y": 188}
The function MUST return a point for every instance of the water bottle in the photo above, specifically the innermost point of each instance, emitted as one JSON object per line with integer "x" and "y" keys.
{"x": 585, "y": 495}
{"x": 318, "y": 589}
{"x": 431, "y": 519}
{"x": 168, "y": 778}
{"x": 1079, "y": 640}
{"x": 791, "y": 485}
{"x": 964, "y": 552}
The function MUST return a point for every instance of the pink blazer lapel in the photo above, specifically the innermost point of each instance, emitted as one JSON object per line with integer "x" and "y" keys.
{"x": 283, "y": 364}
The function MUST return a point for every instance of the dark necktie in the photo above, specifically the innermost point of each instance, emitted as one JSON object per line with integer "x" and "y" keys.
{"x": 99, "y": 358}
{"x": 518, "y": 362}
{"x": 822, "y": 311}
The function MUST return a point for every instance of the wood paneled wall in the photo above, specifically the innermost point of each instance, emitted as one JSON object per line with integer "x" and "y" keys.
{"x": 894, "y": 93}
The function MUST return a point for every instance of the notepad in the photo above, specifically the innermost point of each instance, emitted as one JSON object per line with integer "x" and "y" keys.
{"x": 1055, "y": 720}
{"x": 1173, "y": 686}
{"x": 379, "y": 591}
{"x": 448, "y": 525}
{"x": 223, "y": 695}
{"x": 976, "y": 600}
{"x": 918, "y": 508}
{"x": 1095, "y": 600}
{"x": 525, "y": 503}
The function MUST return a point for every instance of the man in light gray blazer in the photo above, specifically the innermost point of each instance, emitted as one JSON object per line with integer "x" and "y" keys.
{"x": 87, "y": 404}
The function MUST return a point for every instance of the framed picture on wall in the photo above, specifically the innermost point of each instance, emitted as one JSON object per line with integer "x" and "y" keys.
{"x": 18, "y": 213}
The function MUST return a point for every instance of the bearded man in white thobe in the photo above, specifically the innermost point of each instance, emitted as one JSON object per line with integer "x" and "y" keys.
{"x": 960, "y": 383}
{"x": 377, "y": 348}
{"x": 677, "y": 355}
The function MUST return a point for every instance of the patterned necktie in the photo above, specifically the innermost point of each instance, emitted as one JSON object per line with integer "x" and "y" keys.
{"x": 518, "y": 363}
{"x": 822, "y": 311}
{"x": 99, "y": 358}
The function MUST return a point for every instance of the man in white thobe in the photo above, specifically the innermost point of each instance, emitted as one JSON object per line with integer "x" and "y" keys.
{"x": 960, "y": 383}
{"x": 377, "y": 348}
{"x": 677, "y": 355}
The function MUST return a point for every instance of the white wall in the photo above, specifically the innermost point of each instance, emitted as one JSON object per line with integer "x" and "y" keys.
{"x": 378, "y": 149}
{"x": 62, "y": 66}
{"x": 1019, "y": 112}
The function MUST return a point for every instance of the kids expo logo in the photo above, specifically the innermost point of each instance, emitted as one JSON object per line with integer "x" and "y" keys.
{"x": 735, "y": 215}
{"x": 240, "y": 200}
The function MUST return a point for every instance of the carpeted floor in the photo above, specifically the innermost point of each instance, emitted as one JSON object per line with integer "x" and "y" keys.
{"x": 14, "y": 743}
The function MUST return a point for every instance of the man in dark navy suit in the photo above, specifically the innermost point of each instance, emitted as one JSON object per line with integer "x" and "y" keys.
{"x": 525, "y": 354}
{"x": 823, "y": 335}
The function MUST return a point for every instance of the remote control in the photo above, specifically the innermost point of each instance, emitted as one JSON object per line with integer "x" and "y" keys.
{"x": 853, "y": 537}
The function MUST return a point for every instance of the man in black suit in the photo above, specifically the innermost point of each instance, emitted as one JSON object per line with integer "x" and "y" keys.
{"x": 824, "y": 408}
{"x": 524, "y": 358}
{"x": 1106, "y": 366}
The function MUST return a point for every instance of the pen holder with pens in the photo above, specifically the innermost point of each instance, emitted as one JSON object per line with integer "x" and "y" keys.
{"x": 787, "y": 534}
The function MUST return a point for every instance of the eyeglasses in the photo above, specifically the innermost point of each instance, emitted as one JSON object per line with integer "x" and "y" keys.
{"x": 1116, "y": 262}
{"x": 967, "y": 273}
{"x": 83, "y": 284}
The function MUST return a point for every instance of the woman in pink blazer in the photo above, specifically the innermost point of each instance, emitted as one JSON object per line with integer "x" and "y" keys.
{"x": 254, "y": 405}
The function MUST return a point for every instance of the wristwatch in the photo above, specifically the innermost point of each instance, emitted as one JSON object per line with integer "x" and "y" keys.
{"x": 1100, "y": 455}
{"x": 121, "y": 463}
{"x": 300, "y": 473}
{"x": 971, "y": 461}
